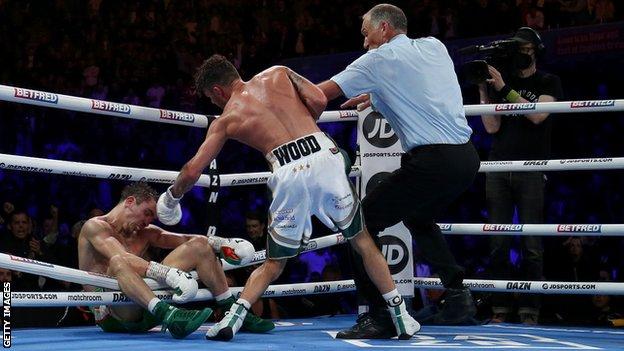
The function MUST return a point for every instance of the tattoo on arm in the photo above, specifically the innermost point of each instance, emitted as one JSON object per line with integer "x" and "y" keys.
{"x": 297, "y": 81}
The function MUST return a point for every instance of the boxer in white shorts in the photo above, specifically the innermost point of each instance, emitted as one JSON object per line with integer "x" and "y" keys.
{"x": 275, "y": 112}
{"x": 309, "y": 179}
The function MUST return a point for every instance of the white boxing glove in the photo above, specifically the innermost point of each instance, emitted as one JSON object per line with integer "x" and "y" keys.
{"x": 168, "y": 208}
{"x": 236, "y": 251}
{"x": 183, "y": 284}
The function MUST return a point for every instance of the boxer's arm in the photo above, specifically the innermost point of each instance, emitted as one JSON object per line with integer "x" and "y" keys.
{"x": 163, "y": 239}
{"x": 311, "y": 96}
{"x": 208, "y": 151}
{"x": 99, "y": 236}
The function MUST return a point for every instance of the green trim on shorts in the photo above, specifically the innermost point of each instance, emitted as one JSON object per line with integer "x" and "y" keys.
{"x": 346, "y": 161}
{"x": 277, "y": 251}
{"x": 356, "y": 226}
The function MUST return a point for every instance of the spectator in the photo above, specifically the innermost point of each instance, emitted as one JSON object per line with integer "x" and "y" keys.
{"x": 604, "y": 11}
{"x": 255, "y": 227}
{"x": 574, "y": 265}
{"x": 575, "y": 12}
{"x": 602, "y": 313}
{"x": 6, "y": 275}
{"x": 21, "y": 242}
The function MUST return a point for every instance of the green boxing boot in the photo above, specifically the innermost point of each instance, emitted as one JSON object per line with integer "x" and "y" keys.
{"x": 180, "y": 322}
{"x": 251, "y": 323}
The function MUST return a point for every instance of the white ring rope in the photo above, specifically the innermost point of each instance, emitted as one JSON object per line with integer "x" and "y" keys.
{"x": 92, "y": 170}
{"x": 560, "y": 230}
{"x": 45, "y": 299}
{"x": 549, "y": 107}
{"x": 101, "y": 107}
{"x": 523, "y": 286}
{"x": 41, "y": 299}
{"x": 74, "y": 103}
{"x": 81, "y": 277}
{"x": 573, "y": 164}
{"x": 78, "y": 276}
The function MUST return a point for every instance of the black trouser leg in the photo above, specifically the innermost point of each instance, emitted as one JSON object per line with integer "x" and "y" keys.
{"x": 429, "y": 179}
{"x": 504, "y": 192}
{"x": 529, "y": 188}
{"x": 500, "y": 204}
{"x": 436, "y": 252}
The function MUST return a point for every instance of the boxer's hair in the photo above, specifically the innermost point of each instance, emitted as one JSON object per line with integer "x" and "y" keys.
{"x": 216, "y": 70}
{"x": 141, "y": 192}
{"x": 388, "y": 13}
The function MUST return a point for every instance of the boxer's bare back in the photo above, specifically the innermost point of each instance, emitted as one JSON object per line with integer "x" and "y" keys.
{"x": 267, "y": 111}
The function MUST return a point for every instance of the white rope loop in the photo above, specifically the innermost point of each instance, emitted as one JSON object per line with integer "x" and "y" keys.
{"x": 546, "y": 107}
{"x": 47, "y": 299}
{"x": 27, "y": 265}
{"x": 116, "y": 109}
{"x": 92, "y": 170}
{"x": 74, "y": 103}
{"x": 560, "y": 230}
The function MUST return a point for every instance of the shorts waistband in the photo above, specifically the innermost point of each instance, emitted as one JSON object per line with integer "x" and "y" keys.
{"x": 300, "y": 148}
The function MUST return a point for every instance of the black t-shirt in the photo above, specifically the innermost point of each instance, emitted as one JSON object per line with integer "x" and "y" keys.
{"x": 518, "y": 138}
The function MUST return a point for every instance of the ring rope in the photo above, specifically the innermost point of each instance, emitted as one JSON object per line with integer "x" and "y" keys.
{"x": 102, "y": 107}
{"x": 47, "y": 299}
{"x": 532, "y": 229}
{"x": 546, "y": 107}
{"x": 92, "y": 170}
{"x": 27, "y": 265}
{"x": 570, "y": 164}
{"x": 82, "y": 277}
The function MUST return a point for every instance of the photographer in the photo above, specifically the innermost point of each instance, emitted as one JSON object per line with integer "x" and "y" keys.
{"x": 518, "y": 137}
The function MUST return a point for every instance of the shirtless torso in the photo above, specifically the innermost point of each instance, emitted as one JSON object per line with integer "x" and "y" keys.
{"x": 99, "y": 230}
{"x": 266, "y": 111}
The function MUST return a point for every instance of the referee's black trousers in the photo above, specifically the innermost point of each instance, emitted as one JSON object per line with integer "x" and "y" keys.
{"x": 430, "y": 178}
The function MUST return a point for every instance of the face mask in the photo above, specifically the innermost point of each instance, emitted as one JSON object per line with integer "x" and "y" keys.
{"x": 522, "y": 61}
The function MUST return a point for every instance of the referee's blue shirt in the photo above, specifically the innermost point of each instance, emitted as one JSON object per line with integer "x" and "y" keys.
{"x": 412, "y": 83}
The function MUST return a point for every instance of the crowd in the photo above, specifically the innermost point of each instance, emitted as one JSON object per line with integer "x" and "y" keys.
{"x": 145, "y": 52}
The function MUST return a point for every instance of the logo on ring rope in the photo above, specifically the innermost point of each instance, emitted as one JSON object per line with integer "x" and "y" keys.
{"x": 395, "y": 251}
{"x": 579, "y": 228}
{"x": 598, "y": 103}
{"x": 177, "y": 116}
{"x": 35, "y": 95}
{"x": 108, "y": 106}
{"x": 377, "y": 131}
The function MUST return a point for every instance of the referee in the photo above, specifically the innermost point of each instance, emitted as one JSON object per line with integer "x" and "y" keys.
{"x": 412, "y": 83}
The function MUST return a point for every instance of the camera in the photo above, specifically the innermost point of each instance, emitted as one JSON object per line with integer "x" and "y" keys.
{"x": 504, "y": 55}
{"x": 500, "y": 54}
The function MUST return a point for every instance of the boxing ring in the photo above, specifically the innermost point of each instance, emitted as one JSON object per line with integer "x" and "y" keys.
{"x": 312, "y": 333}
